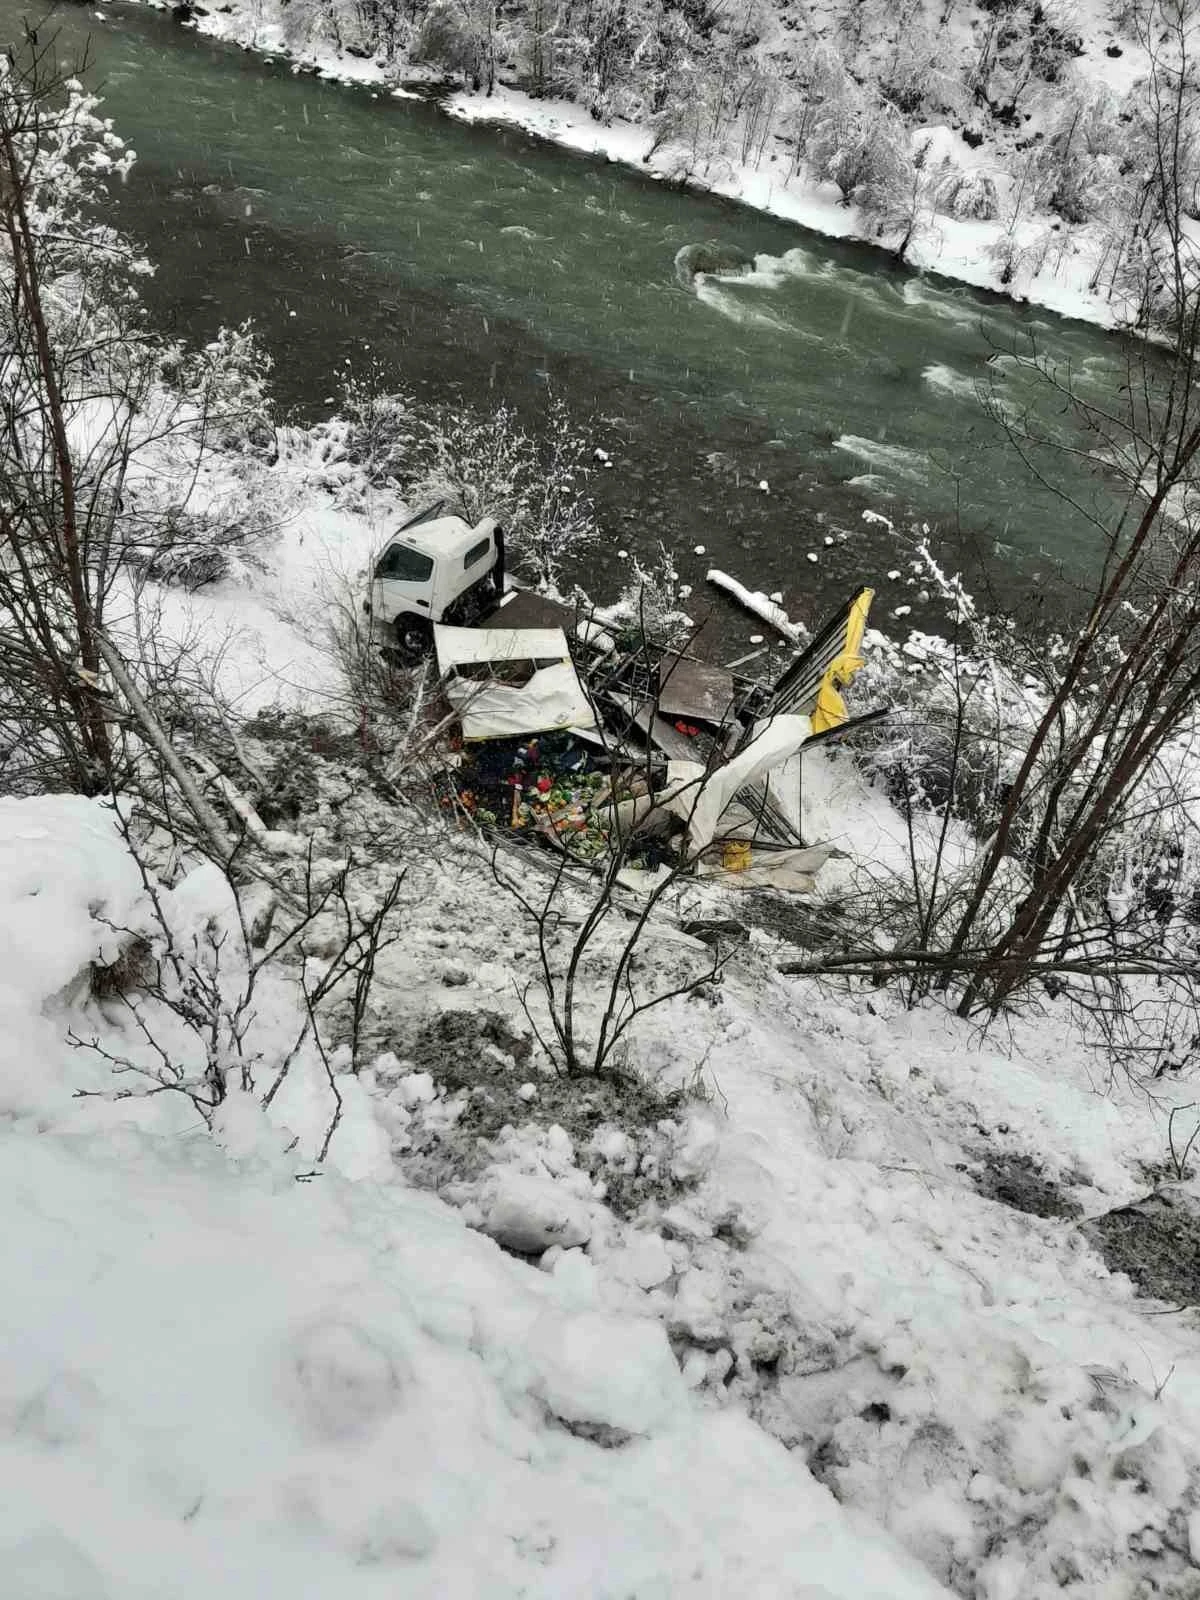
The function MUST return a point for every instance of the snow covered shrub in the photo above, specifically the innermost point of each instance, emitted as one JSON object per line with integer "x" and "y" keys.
{"x": 307, "y": 24}
{"x": 534, "y": 484}
{"x": 667, "y": 57}
{"x": 943, "y": 747}
{"x": 837, "y": 152}
{"x": 817, "y": 75}
{"x": 460, "y": 36}
{"x": 1078, "y": 165}
{"x": 198, "y": 517}
{"x": 915, "y": 79}
{"x": 1145, "y": 876}
{"x": 1054, "y": 39}
{"x": 1015, "y": 252}
{"x": 229, "y": 985}
{"x": 441, "y": 41}
{"x": 861, "y": 148}
{"x": 597, "y": 42}
{"x": 1157, "y": 275}
{"x": 130, "y": 971}
{"x": 652, "y": 600}
{"x": 481, "y": 462}
{"x": 969, "y": 195}
{"x": 365, "y": 29}
{"x": 688, "y": 124}
{"x": 963, "y": 701}
{"x": 1129, "y": 17}
{"x": 225, "y": 387}
{"x": 965, "y": 707}
{"x": 376, "y": 429}
{"x": 531, "y": 478}
{"x": 195, "y": 548}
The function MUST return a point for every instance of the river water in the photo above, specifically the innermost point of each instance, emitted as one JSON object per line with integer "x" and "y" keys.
{"x": 476, "y": 261}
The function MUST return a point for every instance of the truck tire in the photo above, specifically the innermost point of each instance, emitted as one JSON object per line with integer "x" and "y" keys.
{"x": 414, "y": 638}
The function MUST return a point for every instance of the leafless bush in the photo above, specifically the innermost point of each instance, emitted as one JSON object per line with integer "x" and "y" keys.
{"x": 601, "y": 945}
{"x": 652, "y": 602}
{"x": 1180, "y": 1147}
{"x": 982, "y": 745}
{"x": 599, "y": 969}
{"x": 189, "y": 988}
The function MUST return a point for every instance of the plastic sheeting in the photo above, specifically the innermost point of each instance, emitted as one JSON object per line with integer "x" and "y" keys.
{"x": 552, "y": 696}
{"x": 791, "y": 870}
{"x": 701, "y": 801}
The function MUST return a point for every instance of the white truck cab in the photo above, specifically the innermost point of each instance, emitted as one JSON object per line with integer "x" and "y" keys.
{"x": 435, "y": 568}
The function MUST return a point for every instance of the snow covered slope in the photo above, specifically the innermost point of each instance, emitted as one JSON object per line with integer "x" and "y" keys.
{"x": 226, "y": 1366}
{"x": 223, "y": 1370}
{"x": 825, "y": 1325}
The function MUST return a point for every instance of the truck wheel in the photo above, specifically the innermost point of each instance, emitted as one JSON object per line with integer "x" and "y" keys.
{"x": 413, "y": 639}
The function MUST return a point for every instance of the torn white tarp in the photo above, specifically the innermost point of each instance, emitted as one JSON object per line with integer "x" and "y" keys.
{"x": 701, "y": 801}
{"x": 505, "y": 682}
{"x": 794, "y": 870}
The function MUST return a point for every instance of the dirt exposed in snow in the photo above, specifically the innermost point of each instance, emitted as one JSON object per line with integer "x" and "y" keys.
{"x": 1016, "y": 1180}
{"x": 1155, "y": 1242}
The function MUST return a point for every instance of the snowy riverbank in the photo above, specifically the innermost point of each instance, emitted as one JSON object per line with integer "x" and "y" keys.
{"x": 952, "y": 248}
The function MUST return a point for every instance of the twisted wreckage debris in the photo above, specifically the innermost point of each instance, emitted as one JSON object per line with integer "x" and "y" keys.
{"x": 601, "y": 743}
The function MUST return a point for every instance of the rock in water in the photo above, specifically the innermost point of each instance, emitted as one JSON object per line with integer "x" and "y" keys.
{"x": 710, "y": 257}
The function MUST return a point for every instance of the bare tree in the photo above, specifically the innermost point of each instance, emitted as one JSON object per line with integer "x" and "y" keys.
{"x": 1076, "y": 878}
{"x": 51, "y": 594}
{"x": 1051, "y": 838}
{"x": 83, "y": 389}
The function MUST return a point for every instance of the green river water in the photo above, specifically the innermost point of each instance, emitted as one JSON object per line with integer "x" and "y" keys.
{"x": 478, "y": 261}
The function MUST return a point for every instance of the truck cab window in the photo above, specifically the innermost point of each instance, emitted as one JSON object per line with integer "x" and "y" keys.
{"x": 476, "y": 554}
{"x": 403, "y": 562}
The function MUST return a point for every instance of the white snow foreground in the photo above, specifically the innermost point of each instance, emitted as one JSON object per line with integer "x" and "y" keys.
{"x": 218, "y": 1380}
{"x": 211, "y": 1372}
{"x": 215, "y": 1378}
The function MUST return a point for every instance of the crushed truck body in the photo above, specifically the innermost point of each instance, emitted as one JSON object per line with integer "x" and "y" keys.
{"x": 608, "y": 749}
{"x": 507, "y": 682}
{"x": 605, "y": 745}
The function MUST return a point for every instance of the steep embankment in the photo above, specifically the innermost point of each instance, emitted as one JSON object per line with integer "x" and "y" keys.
{"x": 541, "y": 1336}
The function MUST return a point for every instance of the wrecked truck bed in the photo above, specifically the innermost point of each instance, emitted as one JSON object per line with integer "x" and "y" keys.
{"x": 594, "y": 741}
